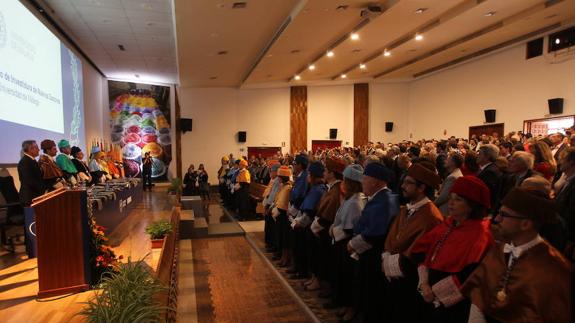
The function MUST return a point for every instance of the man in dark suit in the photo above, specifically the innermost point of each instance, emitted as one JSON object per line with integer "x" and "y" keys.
{"x": 489, "y": 173}
{"x": 520, "y": 168}
{"x": 565, "y": 197}
{"x": 29, "y": 173}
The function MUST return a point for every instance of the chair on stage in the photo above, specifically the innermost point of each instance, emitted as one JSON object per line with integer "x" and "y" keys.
{"x": 11, "y": 214}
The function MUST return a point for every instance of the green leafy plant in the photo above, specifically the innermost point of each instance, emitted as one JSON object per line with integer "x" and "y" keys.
{"x": 159, "y": 229}
{"x": 175, "y": 186}
{"x": 128, "y": 295}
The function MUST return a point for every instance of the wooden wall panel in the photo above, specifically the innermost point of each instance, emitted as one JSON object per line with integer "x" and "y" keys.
{"x": 298, "y": 118}
{"x": 360, "y": 114}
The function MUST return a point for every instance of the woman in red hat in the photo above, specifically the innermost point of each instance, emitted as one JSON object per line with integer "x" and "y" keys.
{"x": 448, "y": 254}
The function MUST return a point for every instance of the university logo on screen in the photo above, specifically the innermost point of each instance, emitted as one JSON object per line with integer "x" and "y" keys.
{"x": 3, "y": 31}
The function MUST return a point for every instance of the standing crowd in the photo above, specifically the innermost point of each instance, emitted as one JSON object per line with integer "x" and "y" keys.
{"x": 456, "y": 230}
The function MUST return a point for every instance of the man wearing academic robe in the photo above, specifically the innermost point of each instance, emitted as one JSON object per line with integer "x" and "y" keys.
{"x": 321, "y": 255}
{"x": 64, "y": 161}
{"x": 367, "y": 244}
{"x": 403, "y": 302}
{"x": 523, "y": 278}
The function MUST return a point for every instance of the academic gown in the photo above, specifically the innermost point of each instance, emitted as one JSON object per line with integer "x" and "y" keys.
{"x": 403, "y": 301}
{"x": 539, "y": 288}
{"x": 370, "y": 233}
{"x": 302, "y": 234}
{"x": 448, "y": 254}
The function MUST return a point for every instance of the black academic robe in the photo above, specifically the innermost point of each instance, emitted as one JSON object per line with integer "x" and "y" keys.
{"x": 31, "y": 182}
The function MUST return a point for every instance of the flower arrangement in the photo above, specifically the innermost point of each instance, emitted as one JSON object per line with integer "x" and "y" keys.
{"x": 102, "y": 257}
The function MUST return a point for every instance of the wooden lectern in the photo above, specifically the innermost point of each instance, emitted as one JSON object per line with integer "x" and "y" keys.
{"x": 63, "y": 237}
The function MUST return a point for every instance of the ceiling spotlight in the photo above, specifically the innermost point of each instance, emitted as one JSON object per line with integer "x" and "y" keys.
{"x": 420, "y": 10}
{"x": 557, "y": 41}
{"x": 329, "y": 53}
{"x": 386, "y": 53}
{"x": 490, "y": 14}
{"x": 297, "y": 77}
{"x": 343, "y": 76}
{"x": 354, "y": 36}
{"x": 418, "y": 37}
{"x": 311, "y": 67}
{"x": 362, "y": 66}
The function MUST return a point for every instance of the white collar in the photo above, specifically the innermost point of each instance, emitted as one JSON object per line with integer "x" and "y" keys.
{"x": 484, "y": 166}
{"x": 329, "y": 186}
{"x": 369, "y": 198}
{"x": 411, "y": 208}
{"x": 29, "y": 156}
{"x": 516, "y": 251}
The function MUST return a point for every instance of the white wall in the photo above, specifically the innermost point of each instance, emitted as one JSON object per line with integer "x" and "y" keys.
{"x": 388, "y": 102}
{"x": 518, "y": 89}
{"x": 330, "y": 107}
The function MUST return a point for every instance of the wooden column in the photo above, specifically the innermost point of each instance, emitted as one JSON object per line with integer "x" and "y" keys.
{"x": 360, "y": 114}
{"x": 298, "y": 118}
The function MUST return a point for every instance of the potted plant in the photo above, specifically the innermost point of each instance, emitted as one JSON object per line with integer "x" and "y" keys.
{"x": 175, "y": 191}
{"x": 128, "y": 295}
{"x": 157, "y": 231}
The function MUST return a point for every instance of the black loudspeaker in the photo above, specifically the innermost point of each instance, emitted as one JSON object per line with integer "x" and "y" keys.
{"x": 388, "y": 126}
{"x": 489, "y": 115}
{"x": 555, "y": 106}
{"x": 185, "y": 125}
{"x": 332, "y": 133}
{"x": 242, "y": 135}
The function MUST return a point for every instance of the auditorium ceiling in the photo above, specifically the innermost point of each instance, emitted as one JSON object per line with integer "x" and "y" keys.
{"x": 253, "y": 43}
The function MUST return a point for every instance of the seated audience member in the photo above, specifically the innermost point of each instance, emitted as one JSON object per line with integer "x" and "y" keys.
{"x": 544, "y": 162}
{"x": 402, "y": 302}
{"x": 558, "y": 141}
{"x": 63, "y": 160}
{"x": 190, "y": 181}
{"x": 489, "y": 173}
{"x": 520, "y": 168}
{"x": 51, "y": 173}
{"x": 341, "y": 232}
{"x": 367, "y": 244}
{"x": 565, "y": 198}
{"x": 32, "y": 183}
{"x": 505, "y": 149}
{"x": 78, "y": 161}
{"x": 453, "y": 167}
{"x": 448, "y": 253}
{"x": 522, "y": 279}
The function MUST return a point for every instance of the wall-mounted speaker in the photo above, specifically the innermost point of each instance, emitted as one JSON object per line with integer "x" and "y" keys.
{"x": 332, "y": 133}
{"x": 242, "y": 136}
{"x": 489, "y": 115}
{"x": 388, "y": 126}
{"x": 555, "y": 106}
{"x": 185, "y": 125}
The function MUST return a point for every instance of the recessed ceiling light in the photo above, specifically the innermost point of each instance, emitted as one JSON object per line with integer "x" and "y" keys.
{"x": 297, "y": 77}
{"x": 355, "y": 51}
{"x": 362, "y": 66}
{"x": 311, "y": 67}
{"x": 342, "y": 7}
{"x": 551, "y": 16}
{"x": 557, "y": 41}
{"x": 420, "y": 10}
{"x": 490, "y": 14}
{"x": 223, "y": 52}
{"x": 137, "y": 75}
{"x": 354, "y": 36}
{"x": 213, "y": 78}
{"x": 418, "y": 37}
{"x": 295, "y": 51}
{"x": 270, "y": 55}
{"x": 239, "y": 5}
{"x": 330, "y": 53}
{"x": 121, "y": 47}
{"x": 386, "y": 53}
{"x": 343, "y": 76}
